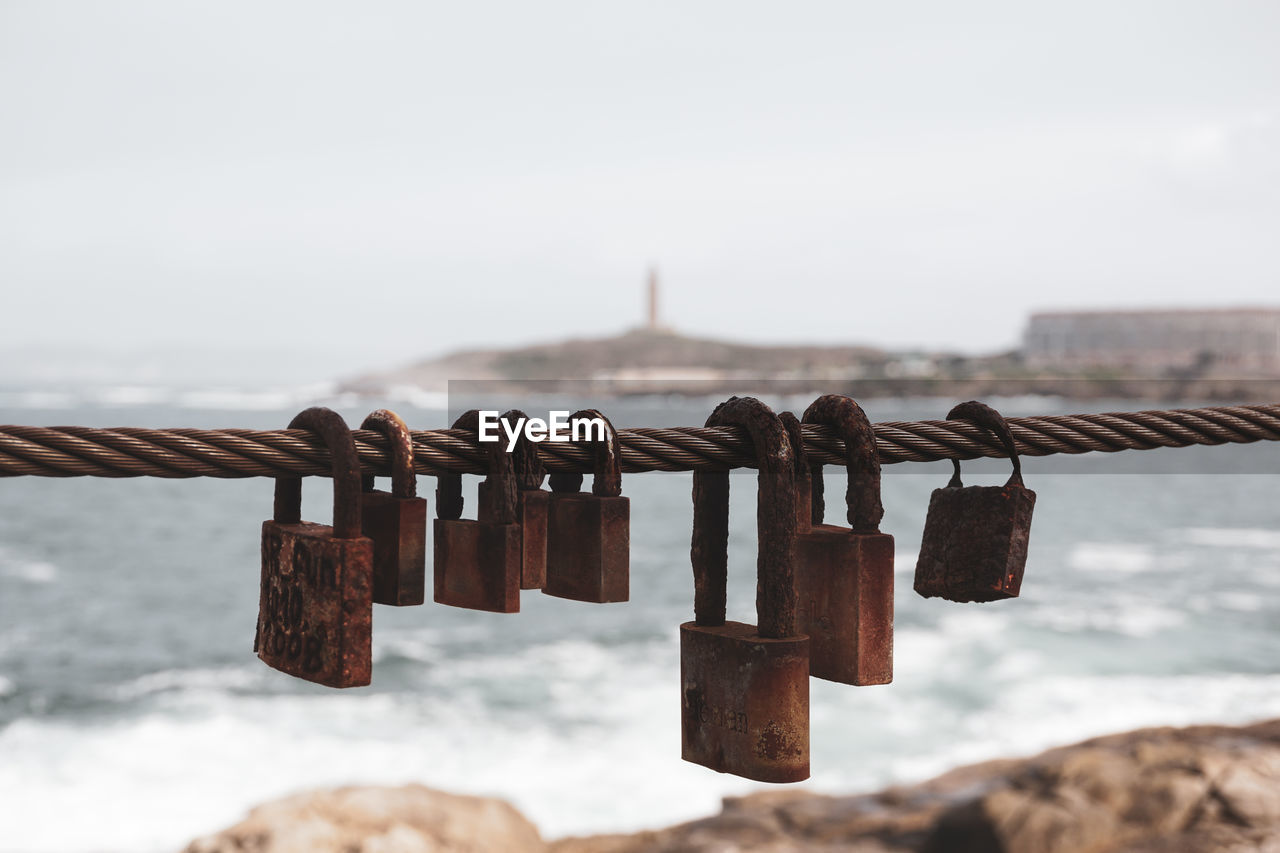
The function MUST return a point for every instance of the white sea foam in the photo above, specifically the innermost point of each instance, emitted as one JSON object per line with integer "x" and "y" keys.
{"x": 205, "y": 750}
{"x": 1233, "y": 537}
{"x": 31, "y": 571}
{"x": 417, "y": 397}
{"x": 36, "y": 400}
{"x": 1130, "y": 618}
{"x": 219, "y": 679}
{"x": 1111, "y": 557}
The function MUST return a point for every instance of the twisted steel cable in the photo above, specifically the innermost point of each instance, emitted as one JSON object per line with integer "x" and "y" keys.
{"x": 230, "y": 453}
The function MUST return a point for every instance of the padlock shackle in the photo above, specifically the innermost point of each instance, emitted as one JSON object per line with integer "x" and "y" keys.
{"x": 806, "y": 515}
{"x": 336, "y": 436}
{"x": 992, "y": 421}
{"x": 529, "y": 469}
{"x": 775, "y": 522}
{"x": 606, "y": 478}
{"x": 404, "y": 481}
{"x": 862, "y": 461}
{"x": 499, "y": 505}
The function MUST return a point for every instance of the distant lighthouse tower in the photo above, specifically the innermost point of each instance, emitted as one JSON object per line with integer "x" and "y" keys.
{"x": 653, "y": 300}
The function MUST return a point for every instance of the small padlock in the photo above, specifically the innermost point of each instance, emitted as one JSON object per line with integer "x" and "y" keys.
{"x": 396, "y": 521}
{"x": 531, "y": 506}
{"x": 477, "y": 563}
{"x": 589, "y": 535}
{"x": 315, "y": 608}
{"x": 745, "y": 689}
{"x": 974, "y": 546}
{"x": 844, "y": 575}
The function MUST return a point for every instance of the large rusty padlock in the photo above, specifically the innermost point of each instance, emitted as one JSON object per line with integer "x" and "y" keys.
{"x": 844, "y": 575}
{"x": 531, "y": 506}
{"x": 315, "y": 610}
{"x": 745, "y": 689}
{"x": 589, "y": 535}
{"x": 396, "y": 521}
{"x": 974, "y": 546}
{"x": 477, "y": 563}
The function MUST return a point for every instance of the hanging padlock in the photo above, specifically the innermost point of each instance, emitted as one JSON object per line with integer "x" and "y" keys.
{"x": 974, "y": 546}
{"x": 844, "y": 575}
{"x": 589, "y": 535}
{"x": 315, "y": 609}
{"x": 745, "y": 689}
{"x": 396, "y": 521}
{"x": 477, "y": 563}
{"x": 531, "y": 506}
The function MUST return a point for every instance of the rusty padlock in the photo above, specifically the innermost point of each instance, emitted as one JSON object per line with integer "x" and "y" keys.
{"x": 477, "y": 563}
{"x": 974, "y": 546}
{"x": 315, "y": 609}
{"x": 844, "y": 575}
{"x": 745, "y": 689}
{"x": 531, "y": 506}
{"x": 589, "y": 535}
{"x": 396, "y": 521}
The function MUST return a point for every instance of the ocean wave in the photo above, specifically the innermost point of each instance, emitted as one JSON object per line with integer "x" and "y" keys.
{"x": 1132, "y": 618}
{"x": 222, "y": 679}
{"x": 1112, "y": 557}
{"x": 31, "y": 571}
{"x": 1232, "y": 537}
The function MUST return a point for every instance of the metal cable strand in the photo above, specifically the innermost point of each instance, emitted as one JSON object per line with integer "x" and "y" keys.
{"x": 139, "y": 452}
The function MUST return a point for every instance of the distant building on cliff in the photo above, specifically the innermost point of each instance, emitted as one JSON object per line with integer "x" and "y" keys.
{"x": 1244, "y": 340}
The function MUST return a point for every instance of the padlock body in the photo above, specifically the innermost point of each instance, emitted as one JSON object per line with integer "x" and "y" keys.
{"x": 974, "y": 546}
{"x": 398, "y": 528}
{"x": 532, "y": 507}
{"x": 745, "y": 702}
{"x": 477, "y": 565}
{"x": 844, "y": 603}
{"x": 588, "y": 547}
{"x": 315, "y": 608}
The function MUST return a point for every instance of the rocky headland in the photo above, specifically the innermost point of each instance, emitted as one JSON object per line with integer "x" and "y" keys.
{"x": 658, "y": 361}
{"x": 1204, "y": 789}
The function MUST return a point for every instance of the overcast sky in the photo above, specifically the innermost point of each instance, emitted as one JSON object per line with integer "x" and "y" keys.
{"x": 385, "y": 180}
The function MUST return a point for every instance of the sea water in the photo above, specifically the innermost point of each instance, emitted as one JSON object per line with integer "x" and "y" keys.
{"x": 135, "y": 716}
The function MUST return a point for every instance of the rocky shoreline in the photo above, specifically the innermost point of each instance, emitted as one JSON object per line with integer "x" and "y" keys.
{"x": 1203, "y": 789}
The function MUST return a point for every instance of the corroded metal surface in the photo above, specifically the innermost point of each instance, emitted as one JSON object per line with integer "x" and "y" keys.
{"x": 806, "y": 514}
{"x": 588, "y": 547}
{"x": 745, "y": 702}
{"x": 974, "y": 546}
{"x": 315, "y": 613}
{"x": 477, "y": 563}
{"x": 775, "y": 523}
{"x": 396, "y": 521}
{"x": 844, "y": 592}
{"x": 315, "y": 607}
{"x": 531, "y": 506}
{"x": 745, "y": 689}
{"x": 844, "y": 575}
{"x": 862, "y": 464}
{"x": 589, "y": 535}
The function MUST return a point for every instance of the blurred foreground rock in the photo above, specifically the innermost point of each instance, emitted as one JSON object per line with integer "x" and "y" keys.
{"x": 1206, "y": 789}
{"x": 410, "y": 819}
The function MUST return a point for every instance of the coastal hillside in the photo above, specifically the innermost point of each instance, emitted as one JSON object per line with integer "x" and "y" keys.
{"x": 643, "y": 356}
{"x": 657, "y": 361}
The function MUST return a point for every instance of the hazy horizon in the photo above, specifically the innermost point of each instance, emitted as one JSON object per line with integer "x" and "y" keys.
{"x": 363, "y": 190}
